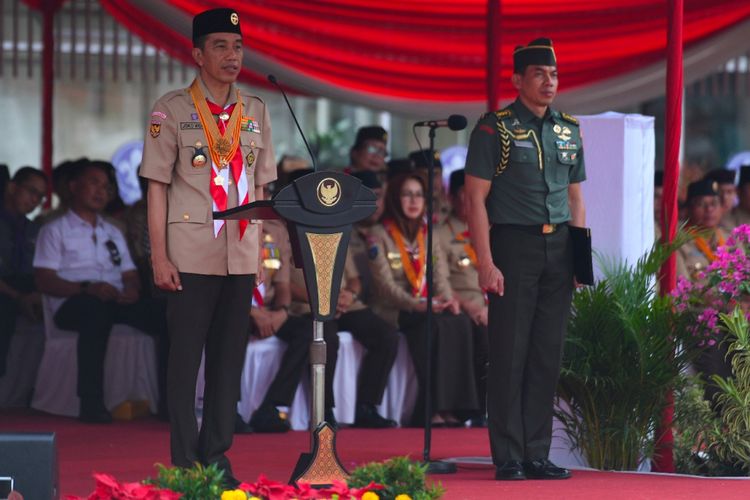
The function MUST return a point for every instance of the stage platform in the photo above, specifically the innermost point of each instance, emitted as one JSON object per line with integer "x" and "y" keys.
{"x": 128, "y": 450}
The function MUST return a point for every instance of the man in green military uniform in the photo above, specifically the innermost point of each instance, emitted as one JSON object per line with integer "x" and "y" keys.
{"x": 523, "y": 174}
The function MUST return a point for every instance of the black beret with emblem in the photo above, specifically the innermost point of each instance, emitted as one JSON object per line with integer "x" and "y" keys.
{"x": 421, "y": 158}
{"x": 538, "y": 52}
{"x": 369, "y": 179}
{"x": 373, "y": 132}
{"x": 722, "y": 176}
{"x": 457, "y": 180}
{"x": 744, "y": 175}
{"x": 215, "y": 21}
{"x": 704, "y": 187}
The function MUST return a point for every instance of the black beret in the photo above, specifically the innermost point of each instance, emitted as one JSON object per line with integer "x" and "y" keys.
{"x": 456, "y": 181}
{"x": 744, "y": 175}
{"x": 369, "y": 179}
{"x": 722, "y": 176}
{"x": 704, "y": 187}
{"x": 538, "y": 52}
{"x": 399, "y": 166}
{"x": 658, "y": 178}
{"x": 421, "y": 158}
{"x": 373, "y": 132}
{"x": 215, "y": 21}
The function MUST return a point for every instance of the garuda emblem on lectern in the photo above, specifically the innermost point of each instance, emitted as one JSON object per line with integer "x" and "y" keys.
{"x": 329, "y": 192}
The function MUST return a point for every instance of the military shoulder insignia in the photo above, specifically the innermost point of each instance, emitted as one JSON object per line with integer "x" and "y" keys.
{"x": 571, "y": 119}
{"x": 505, "y": 113}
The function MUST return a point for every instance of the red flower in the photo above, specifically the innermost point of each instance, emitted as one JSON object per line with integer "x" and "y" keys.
{"x": 271, "y": 490}
{"x": 107, "y": 488}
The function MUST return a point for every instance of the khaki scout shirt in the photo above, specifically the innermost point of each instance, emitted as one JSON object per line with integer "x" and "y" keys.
{"x": 389, "y": 280}
{"x": 277, "y": 258}
{"x": 691, "y": 261}
{"x": 302, "y": 308}
{"x": 168, "y": 152}
{"x": 464, "y": 278}
{"x": 736, "y": 217}
{"x": 530, "y": 161}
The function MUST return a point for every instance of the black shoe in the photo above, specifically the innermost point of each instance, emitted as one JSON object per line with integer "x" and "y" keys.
{"x": 544, "y": 469}
{"x": 93, "y": 411}
{"x": 367, "y": 416}
{"x": 240, "y": 426}
{"x": 268, "y": 419}
{"x": 512, "y": 470}
{"x": 478, "y": 422}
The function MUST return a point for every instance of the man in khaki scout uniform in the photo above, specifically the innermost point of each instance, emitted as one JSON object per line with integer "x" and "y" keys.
{"x": 454, "y": 238}
{"x": 741, "y": 213}
{"x": 369, "y": 151}
{"x": 207, "y": 148}
{"x": 523, "y": 174}
{"x": 725, "y": 180}
{"x": 704, "y": 213}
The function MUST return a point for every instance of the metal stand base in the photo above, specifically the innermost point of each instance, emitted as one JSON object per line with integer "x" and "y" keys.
{"x": 320, "y": 467}
{"x": 438, "y": 467}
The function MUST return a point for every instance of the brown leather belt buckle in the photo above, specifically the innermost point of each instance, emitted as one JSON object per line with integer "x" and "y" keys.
{"x": 549, "y": 228}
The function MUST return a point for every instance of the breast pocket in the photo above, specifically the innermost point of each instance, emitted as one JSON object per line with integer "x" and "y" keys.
{"x": 252, "y": 151}
{"x": 523, "y": 166}
{"x": 190, "y": 142}
{"x": 565, "y": 161}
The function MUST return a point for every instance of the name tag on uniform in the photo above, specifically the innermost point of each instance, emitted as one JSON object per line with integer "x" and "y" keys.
{"x": 523, "y": 144}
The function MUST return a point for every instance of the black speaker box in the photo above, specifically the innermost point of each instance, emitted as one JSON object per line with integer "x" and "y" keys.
{"x": 31, "y": 460}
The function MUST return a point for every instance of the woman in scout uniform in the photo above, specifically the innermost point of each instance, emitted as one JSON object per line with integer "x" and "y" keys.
{"x": 397, "y": 263}
{"x": 454, "y": 239}
{"x": 207, "y": 148}
{"x": 704, "y": 216}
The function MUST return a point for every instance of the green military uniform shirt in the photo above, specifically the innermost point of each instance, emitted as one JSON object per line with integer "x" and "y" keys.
{"x": 530, "y": 161}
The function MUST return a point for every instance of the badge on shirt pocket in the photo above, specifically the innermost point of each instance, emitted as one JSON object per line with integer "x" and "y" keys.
{"x": 394, "y": 260}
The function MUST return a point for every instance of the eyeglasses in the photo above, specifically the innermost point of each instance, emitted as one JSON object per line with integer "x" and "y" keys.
{"x": 412, "y": 194}
{"x": 374, "y": 150}
{"x": 114, "y": 252}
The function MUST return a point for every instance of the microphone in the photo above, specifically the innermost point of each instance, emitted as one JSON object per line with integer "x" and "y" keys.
{"x": 275, "y": 82}
{"x": 454, "y": 122}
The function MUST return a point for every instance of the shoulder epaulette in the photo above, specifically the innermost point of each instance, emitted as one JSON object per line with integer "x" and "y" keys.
{"x": 571, "y": 119}
{"x": 504, "y": 113}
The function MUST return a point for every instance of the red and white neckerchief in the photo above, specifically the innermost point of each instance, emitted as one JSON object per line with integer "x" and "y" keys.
{"x": 220, "y": 191}
{"x": 258, "y": 296}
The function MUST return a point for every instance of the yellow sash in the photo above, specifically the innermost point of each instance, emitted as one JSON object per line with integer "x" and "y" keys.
{"x": 221, "y": 147}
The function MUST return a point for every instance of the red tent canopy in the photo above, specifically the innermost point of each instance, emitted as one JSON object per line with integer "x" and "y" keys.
{"x": 408, "y": 55}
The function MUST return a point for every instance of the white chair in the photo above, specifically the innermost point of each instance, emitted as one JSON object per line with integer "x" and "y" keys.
{"x": 262, "y": 363}
{"x": 130, "y": 369}
{"x": 24, "y": 355}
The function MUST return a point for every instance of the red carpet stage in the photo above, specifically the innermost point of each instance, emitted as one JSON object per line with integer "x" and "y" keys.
{"x": 128, "y": 450}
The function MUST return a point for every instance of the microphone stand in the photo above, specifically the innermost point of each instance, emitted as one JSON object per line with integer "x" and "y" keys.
{"x": 433, "y": 466}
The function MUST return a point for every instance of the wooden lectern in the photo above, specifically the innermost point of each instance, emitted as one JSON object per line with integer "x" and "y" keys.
{"x": 319, "y": 210}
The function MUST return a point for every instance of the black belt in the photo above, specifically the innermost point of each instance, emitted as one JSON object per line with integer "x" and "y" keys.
{"x": 535, "y": 228}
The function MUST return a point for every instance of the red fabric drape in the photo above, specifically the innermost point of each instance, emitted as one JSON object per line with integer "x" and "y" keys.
{"x": 494, "y": 30}
{"x": 663, "y": 459}
{"x": 436, "y": 51}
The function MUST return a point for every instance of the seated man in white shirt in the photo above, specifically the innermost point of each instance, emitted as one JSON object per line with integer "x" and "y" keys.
{"x": 83, "y": 262}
